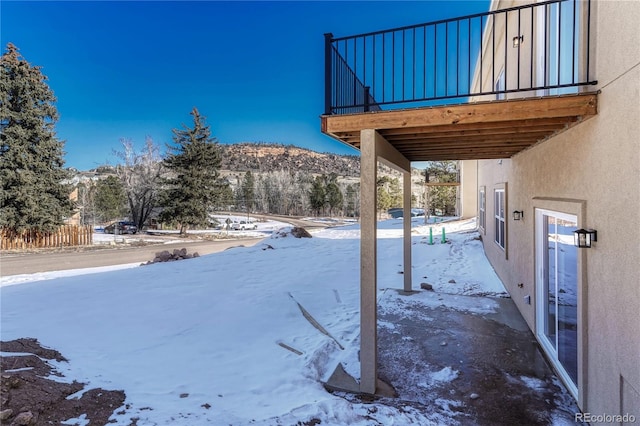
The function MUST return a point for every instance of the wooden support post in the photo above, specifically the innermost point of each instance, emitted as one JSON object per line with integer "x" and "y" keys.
{"x": 375, "y": 147}
{"x": 368, "y": 263}
{"x": 406, "y": 185}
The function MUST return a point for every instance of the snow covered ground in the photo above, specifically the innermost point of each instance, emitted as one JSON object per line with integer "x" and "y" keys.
{"x": 262, "y": 227}
{"x": 221, "y": 339}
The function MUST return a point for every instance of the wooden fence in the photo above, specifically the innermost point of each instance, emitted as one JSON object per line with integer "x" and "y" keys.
{"x": 65, "y": 236}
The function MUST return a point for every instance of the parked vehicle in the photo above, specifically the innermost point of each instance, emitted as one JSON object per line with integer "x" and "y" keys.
{"x": 121, "y": 227}
{"x": 243, "y": 224}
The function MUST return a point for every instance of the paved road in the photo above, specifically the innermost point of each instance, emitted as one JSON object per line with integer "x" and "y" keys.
{"x": 30, "y": 263}
{"x": 15, "y": 264}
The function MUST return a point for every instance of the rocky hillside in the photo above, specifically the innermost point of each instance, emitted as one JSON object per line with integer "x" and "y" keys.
{"x": 259, "y": 157}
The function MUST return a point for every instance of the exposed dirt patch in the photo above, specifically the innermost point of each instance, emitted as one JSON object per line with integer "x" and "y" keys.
{"x": 34, "y": 399}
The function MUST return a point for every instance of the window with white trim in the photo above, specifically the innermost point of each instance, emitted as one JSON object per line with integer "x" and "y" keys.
{"x": 500, "y": 224}
{"x": 482, "y": 208}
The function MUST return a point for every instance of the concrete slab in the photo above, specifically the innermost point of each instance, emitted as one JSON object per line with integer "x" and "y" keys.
{"x": 471, "y": 359}
{"x": 486, "y": 368}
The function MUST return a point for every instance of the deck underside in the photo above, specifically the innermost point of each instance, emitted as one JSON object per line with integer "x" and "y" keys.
{"x": 472, "y": 131}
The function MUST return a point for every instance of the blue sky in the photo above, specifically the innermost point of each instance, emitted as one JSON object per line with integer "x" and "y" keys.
{"x": 136, "y": 68}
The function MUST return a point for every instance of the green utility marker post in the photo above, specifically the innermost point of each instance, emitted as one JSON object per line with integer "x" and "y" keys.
{"x": 444, "y": 239}
{"x": 430, "y": 236}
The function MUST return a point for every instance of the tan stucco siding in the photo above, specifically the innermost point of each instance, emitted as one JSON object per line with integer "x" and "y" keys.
{"x": 468, "y": 185}
{"x": 595, "y": 168}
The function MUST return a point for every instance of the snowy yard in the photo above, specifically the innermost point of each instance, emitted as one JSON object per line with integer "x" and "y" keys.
{"x": 222, "y": 340}
{"x": 263, "y": 227}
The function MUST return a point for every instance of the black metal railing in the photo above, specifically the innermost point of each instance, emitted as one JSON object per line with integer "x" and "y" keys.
{"x": 348, "y": 90}
{"x": 541, "y": 48}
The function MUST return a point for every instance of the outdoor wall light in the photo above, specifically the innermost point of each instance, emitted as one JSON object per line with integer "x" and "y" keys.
{"x": 584, "y": 237}
{"x": 518, "y": 214}
{"x": 518, "y": 40}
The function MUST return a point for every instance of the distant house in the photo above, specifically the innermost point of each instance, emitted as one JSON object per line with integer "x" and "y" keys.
{"x": 74, "y": 219}
{"x": 541, "y": 102}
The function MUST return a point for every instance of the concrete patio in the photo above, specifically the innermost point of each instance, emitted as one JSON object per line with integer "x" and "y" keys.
{"x": 471, "y": 359}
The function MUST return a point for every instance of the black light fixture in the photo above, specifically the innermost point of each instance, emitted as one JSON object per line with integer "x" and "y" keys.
{"x": 518, "y": 214}
{"x": 584, "y": 237}
{"x": 518, "y": 40}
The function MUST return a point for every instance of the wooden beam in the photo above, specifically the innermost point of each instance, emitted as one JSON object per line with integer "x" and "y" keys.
{"x": 496, "y": 125}
{"x": 442, "y": 184}
{"x": 467, "y": 149}
{"x": 495, "y": 111}
{"x": 474, "y": 133}
{"x": 430, "y": 145}
{"x": 495, "y": 129}
{"x": 463, "y": 156}
{"x": 427, "y": 139}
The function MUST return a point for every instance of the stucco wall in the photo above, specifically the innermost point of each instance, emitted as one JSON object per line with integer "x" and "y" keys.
{"x": 597, "y": 165}
{"x": 468, "y": 185}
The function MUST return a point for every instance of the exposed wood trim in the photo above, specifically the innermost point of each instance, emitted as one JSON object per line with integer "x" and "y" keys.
{"x": 496, "y": 129}
{"x": 473, "y": 133}
{"x": 428, "y": 139}
{"x": 442, "y": 184}
{"x": 509, "y": 110}
{"x": 496, "y": 125}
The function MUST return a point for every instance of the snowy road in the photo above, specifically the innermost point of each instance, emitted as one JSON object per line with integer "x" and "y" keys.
{"x": 15, "y": 264}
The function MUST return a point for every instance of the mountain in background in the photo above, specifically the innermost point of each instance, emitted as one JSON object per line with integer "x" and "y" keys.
{"x": 263, "y": 157}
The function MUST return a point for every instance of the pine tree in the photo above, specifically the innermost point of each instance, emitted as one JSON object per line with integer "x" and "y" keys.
{"x": 34, "y": 196}
{"x": 333, "y": 193}
{"x": 317, "y": 195}
{"x": 389, "y": 193}
{"x": 442, "y": 199}
{"x": 248, "y": 191}
{"x": 110, "y": 199}
{"x": 194, "y": 187}
{"x": 353, "y": 200}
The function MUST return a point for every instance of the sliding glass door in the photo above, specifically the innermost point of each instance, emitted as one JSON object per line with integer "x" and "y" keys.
{"x": 557, "y": 292}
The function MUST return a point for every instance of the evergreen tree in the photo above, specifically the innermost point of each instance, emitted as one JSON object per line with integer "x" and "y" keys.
{"x": 395, "y": 192}
{"x": 225, "y": 198}
{"x": 194, "y": 187}
{"x": 383, "y": 198}
{"x": 248, "y": 190}
{"x": 389, "y": 193}
{"x": 352, "y": 201}
{"x": 34, "y": 196}
{"x": 110, "y": 199}
{"x": 333, "y": 193}
{"x": 317, "y": 195}
{"x": 441, "y": 199}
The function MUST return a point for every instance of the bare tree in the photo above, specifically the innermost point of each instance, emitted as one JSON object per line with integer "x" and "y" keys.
{"x": 86, "y": 202}
{"x": 140, "y": 173}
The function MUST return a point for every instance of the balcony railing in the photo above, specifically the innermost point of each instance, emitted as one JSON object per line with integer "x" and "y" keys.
{"x": 541, "y": 48}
